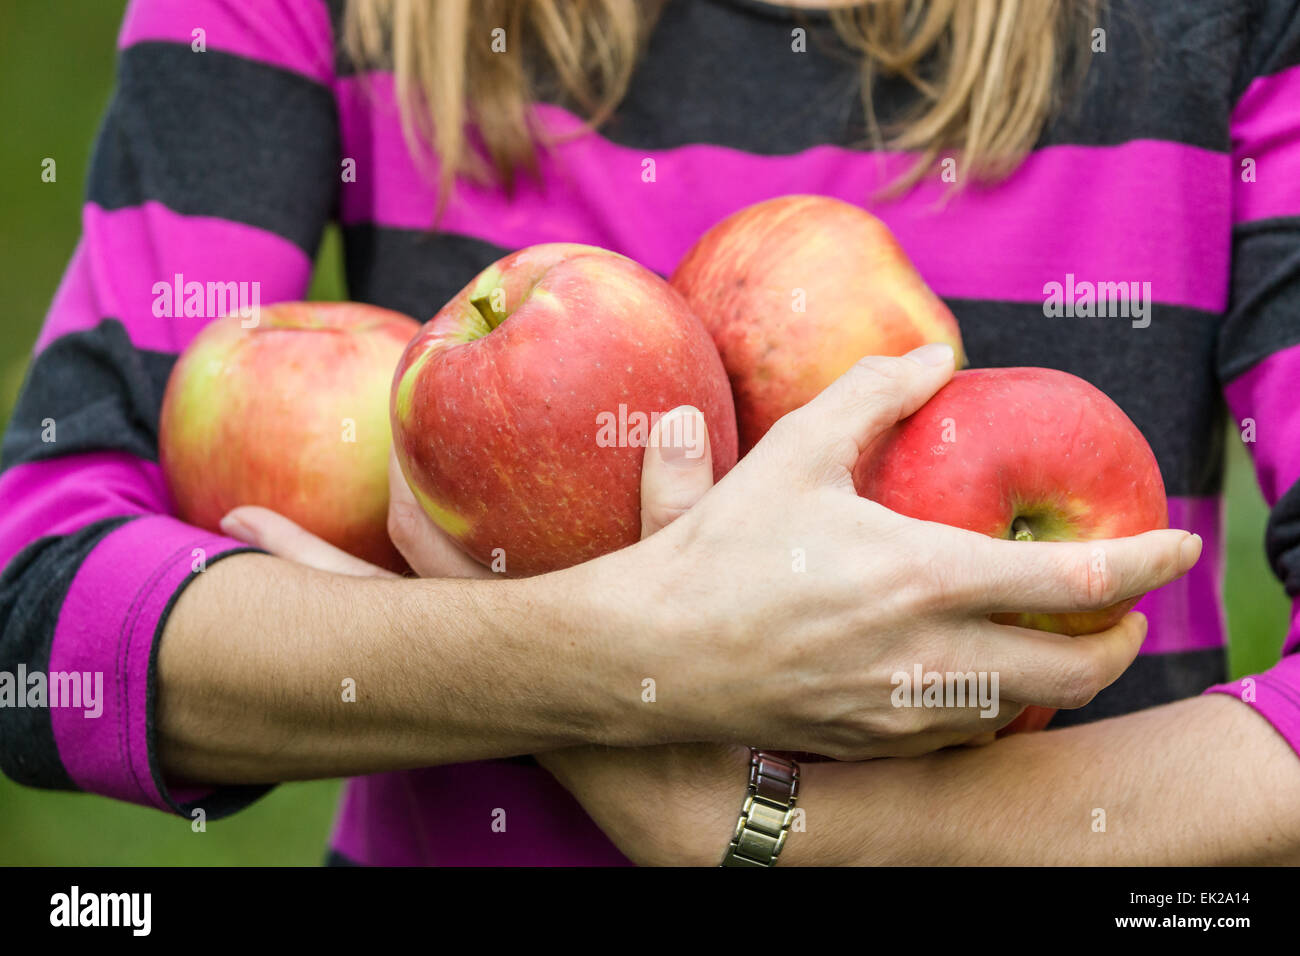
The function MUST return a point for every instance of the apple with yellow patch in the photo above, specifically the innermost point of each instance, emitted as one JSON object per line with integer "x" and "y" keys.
{"x": 521, "y": 411}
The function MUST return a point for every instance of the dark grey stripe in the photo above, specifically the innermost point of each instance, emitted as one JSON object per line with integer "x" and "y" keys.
{"x": 1162, "y": 376}
{"x": 1264, "y": 306}
{"x": 1282, "y": 539}
{"x": 213, "y": 134}
{"x": 723, "y": 72}
{"x": 32, "y": 591}
{"x": 1151, "y": 680}
{"x": 1272, "y": 40}
{"x": 412, "y": 271}
{"x": 100, "y": 391}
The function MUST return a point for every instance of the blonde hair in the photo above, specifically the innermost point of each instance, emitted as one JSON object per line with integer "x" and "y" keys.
{"x": 988, "y": 73}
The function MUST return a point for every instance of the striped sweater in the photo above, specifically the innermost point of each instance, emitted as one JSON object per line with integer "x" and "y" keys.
{"x": 1176, "y": 164}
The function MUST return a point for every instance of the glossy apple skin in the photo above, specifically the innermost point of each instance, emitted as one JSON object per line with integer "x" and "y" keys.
{"x": 257, "y": 417}
{"x": 496, "y": 426}
{"x": 862, "y": 296}
{"x": 1035, "y": 443}
{"x": 1031, "y": 719}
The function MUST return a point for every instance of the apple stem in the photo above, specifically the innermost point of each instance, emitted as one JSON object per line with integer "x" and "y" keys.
{"x": 1021, "y": 531}
{"x": 485, "y": 309}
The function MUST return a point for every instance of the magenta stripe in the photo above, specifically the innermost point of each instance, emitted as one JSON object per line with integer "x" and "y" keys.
{"x": 1102, "y": 213}
{"x": 107, "y": 624}
{"x": 1187, "y": 614}
{"x": 1266, "y": 128}
{"x": 63, "y": 495}
{"x": 1268, "y": 394}
{"x": 385, "y": 819}
{"x": 123, "y": 252}
{"x": 293, "y": 34}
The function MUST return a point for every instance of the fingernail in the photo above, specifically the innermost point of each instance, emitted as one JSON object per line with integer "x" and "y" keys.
{"x": 681, "y": 438}
{"x": 1189, "y": 551}
{"x": 936, "y": 353}
{"x": 237, "y": 529}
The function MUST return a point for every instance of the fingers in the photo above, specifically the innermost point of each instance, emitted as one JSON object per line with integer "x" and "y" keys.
{"x": 428, "y": 549}
{"x": 1055, "y": 670}
{"x": 871, "y": 396}
{"x": 275, "y": 533}
{"x": 677, "y": 469}
{"x": 1058, "y": 576}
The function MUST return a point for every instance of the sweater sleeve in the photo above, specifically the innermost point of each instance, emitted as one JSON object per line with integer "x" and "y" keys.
{"x": 216, "y": 164}
{"x": 1259, "y": 347}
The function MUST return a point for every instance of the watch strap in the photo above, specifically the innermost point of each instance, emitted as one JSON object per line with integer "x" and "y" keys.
{"x": 767, "y": 812}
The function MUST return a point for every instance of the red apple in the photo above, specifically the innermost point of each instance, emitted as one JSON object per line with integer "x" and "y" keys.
{"x": 1022, "y": 454}
{"x": 794, "y": 290}
{"x": 521, "y": 411}
{"x": 290, "y": 414}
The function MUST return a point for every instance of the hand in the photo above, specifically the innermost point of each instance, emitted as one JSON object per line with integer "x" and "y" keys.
{"x": 696, "y": 789}
{"x": 746, "y": 647}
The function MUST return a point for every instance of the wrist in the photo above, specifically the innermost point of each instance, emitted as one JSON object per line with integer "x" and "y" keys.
{"x": 688, "y": 808}
{"x": 709, "y": 813}
{"x": 661, "y": 806}
{"x": 553, "y": 633}
{"x": 633, "y": 685}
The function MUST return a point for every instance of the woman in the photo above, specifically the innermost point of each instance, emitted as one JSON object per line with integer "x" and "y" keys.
{"x": 246, "y": 658}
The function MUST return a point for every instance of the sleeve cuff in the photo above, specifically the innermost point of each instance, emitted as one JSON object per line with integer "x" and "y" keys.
{"x": 1274, "y": 694}
{"x": 109, "y": 629}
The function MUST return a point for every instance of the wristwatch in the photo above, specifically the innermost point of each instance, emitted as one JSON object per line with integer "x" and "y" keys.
{"x": 767, "y": 812}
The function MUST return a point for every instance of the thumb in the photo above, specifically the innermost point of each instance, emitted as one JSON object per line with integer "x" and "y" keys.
{"x": 677, "y": 469}
{"x": 878, "y": 391}
{"x": 428, "y": 549}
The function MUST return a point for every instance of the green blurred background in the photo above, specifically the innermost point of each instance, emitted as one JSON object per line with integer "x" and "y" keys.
{"x": 56, "y": 70}
{"x": 56, "y": 74}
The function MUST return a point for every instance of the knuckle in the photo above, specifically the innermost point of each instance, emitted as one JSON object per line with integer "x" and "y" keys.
{"x": 1095, "y": 668}
{"x": 1080, "y": 687}
{"x": 664, "y": 513}
{"x": 1094, "y": 580}
{"x": 874, "y": 380}
{"x": 783, "y": 437}
{"x": 795, "y": 440}
{"x": 400, "y": 526}
{"x": 935, "y": 584}
{"x": 1169, "y": 564}
{"x": 1105, "y": 580}
{"x": 905, "y": 722}
{"x": 871, "y": 371}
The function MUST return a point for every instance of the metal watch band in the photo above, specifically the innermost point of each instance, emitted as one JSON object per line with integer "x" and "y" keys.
{"x": 767, "y": 812}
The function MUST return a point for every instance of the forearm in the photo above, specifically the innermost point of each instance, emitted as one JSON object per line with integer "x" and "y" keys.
{"x": 258, "y": 656}
{"x": 1202, "y": 781}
